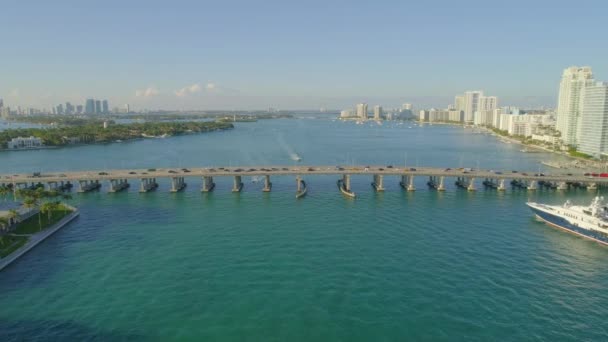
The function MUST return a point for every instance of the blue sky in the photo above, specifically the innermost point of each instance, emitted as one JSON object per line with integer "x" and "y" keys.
{"x": 293, "y": 54}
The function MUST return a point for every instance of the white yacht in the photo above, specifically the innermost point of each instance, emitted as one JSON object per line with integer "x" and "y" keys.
{"x": 588, "y": 221}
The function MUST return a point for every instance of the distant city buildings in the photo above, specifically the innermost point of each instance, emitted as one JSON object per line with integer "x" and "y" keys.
{"x": 362, "y": 111}
{"x": 378, "y": 114}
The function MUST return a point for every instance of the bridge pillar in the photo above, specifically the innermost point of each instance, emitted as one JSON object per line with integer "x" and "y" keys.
{"x": 346, "y": 182}
{"x": 471, "y": 186}
{"x": 267, "y": 184}
{"x": 441, "y": 186}
{"x": 592, "y": 186}
{"x": 177, "y": 184}
{"x": 378, "y": 183}
{"x": 301, "y": 187}
{"x": 238, "y": 185}
{"x": 532, "y": 185}
{"x": 410, "y": 184}
{"x": 501, "y": 185}
{"x": 52, "y": 185}
{"x": 562, "y": 186}
{"x": 117, "y": 185}
{"x": 147, "y": 184}
{"x": 208, "y": 184}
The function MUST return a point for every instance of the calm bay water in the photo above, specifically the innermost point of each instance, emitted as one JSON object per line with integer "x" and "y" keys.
{"x": 255, "y": 266}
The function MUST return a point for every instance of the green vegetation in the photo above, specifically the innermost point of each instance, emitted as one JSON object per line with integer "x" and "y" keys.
{"x": 95, "y": 133}
{"x": 10, "y": 243}
{"x": 574, "y": 153}
{"x": 32, "y": 225}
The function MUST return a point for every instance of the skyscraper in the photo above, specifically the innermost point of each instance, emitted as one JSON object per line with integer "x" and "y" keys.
{"x": 90, "y": 106}
{"x": 377, "y": 112}
{"x": 487, "y": 103}
{"x": 362, "y": 111}
{"x": 97, "y": 107}
{"x": 79, "y": 109}
{"x": 1, "y": 103}
{"x": 569, "y": 105}
{"x": 471, "y": 104}
{"x": 459, "y": 103}
{"x": 593, "y": 121}
{"x": 105, "y": 107}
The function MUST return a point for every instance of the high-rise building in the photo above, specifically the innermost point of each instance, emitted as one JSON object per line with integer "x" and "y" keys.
{"x": 90, "y": 106}
{"x": 378, "y": 112}
{"x": 69, "y": 108}
{"x": 487, "y": 103}
{"x": 105, "y": 108}
{"x": 569, "y": 105}
{"x": 127, "y": 108}
{"x": 1, "y": 103}
{"x": 79, "y": 109}
{"x": 59, "y": 109}
{"x": 459, "y": 103}
{"x": 471, "y": 104}
{"x": 362, "y": 111}
{"x": 97, "y": 107}
{"x": 594, "y": 120}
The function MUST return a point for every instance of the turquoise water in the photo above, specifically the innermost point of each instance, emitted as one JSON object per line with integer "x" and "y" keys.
{"x": 255, "y": 266}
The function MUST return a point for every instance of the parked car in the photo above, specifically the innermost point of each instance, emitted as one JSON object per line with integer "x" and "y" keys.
{"x": 389, "y": 166}
{"x": 172, "y": 171}
{"x": 132, "y": 173}
{"x": 186, "y": 170}
{"x": 412, "y": 169}
{"x": 103, "y": 173}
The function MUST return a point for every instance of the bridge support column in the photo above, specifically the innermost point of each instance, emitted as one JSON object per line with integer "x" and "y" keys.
{"x": 346, "y": 182}
{"x": 501, "y": 185}
{"x": 532, "y": 185}
{"x": 52, "y": 185}
{"x": 410, "y": 183}
{"x": 177, "y": 184}
{"x": 301, "y": 187}
{"x": 471, "y": 186}
{"x": 147, "y": 184}
{"x": 562, "y": 186}
{"x": 378, "y": 183}
{"x": 592, "y": 186}
{"x": 441, "y": 186}
{"x": 238, "y": 185}
{"x": 88, "y": 185}
{"x": 267, "y": 184}
{"x": 208, "y": 184}
{"x": 117, "y": 185}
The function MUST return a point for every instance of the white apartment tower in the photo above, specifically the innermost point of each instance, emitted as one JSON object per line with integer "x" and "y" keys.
{"x": 487, "y": 103}
{"x": 362, "y": 111}
{"x": 471, "y": 104}
{"x": 593, "y": 123}
{"x": 378, "y": 113}
{"x": 569, "y": 105}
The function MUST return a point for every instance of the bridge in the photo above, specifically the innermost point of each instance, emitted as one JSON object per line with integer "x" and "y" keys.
{"x": 465, "y": 178}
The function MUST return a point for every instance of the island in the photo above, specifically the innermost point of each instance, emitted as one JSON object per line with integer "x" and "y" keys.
{"x": 92, "y": 133}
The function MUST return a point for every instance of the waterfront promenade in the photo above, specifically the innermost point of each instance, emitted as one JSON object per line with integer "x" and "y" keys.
{"x": 37, "y": 238}
{"x": 464, "y": 177}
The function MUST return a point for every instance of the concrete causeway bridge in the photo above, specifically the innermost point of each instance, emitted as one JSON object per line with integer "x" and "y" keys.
{"x": 464, "y": 178}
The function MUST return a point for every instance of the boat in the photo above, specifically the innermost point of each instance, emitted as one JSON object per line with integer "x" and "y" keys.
{"x": 590, "y": 222}
{"x": 295, "y": 157}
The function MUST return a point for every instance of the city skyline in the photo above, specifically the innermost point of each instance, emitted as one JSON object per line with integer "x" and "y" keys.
{"x": 280, "y": 56}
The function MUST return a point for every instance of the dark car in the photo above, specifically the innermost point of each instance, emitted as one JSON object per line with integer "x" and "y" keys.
{"x": 448, "y": 169}
{"x": 514, "y": 171}
{"x": 380, "y": 169}
{"x": 310, "y": 169}
{"x": 498, "y": 173}
{"x": 569, "y": 174}
{"x": 412, "y": 169}
{"x": 389, "y": 166}
{"x": 238, "y": 170}
{"x": 186, "y": 170}
{"x": 285, "y": 169}
{"x": 103, "y": 173}
{"x": 172, "y": 171}
{"x": 341, "y": 168}
{"x": 151, "y": 170}
{"x": 132, "y": 173}
{"x": 211, "y": 170}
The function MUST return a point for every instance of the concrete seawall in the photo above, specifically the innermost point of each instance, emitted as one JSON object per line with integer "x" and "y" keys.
{"x": 37, "y": 238}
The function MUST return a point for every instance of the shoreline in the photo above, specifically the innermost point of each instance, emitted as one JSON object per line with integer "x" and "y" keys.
{"x": 36, "y": 239}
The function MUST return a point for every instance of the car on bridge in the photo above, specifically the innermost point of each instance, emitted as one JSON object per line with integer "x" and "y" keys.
{"x": 172, "y": 171}
{"x": 132, "y": 173}
{"x": 103, "y": 173}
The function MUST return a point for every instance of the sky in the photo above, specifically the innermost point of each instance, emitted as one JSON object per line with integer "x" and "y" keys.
{"x": 293, "y": 54}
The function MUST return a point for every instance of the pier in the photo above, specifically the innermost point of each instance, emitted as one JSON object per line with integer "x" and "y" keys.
{"x": 119, "y": 180}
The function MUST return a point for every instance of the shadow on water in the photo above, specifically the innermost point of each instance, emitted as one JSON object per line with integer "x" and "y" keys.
{"x": 51, "y": 330}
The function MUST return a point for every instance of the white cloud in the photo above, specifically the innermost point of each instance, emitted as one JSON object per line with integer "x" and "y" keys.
{"x": 210, "y": 86}
{"x": 148, "y": 92}
{"x": 14, "y": 93}
{"x": 191, "y": 89}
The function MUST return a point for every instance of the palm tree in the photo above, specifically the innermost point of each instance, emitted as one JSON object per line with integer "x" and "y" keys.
{"x": 30, "y": 203}
{"x": 4, "y": 190}
{"x": 3, "y": 227}
{"x": 13, "y": 215}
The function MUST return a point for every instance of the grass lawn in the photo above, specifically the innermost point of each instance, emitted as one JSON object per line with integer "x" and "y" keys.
{"x": 11, "y": 243}
{"x": 32, "y": 226}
